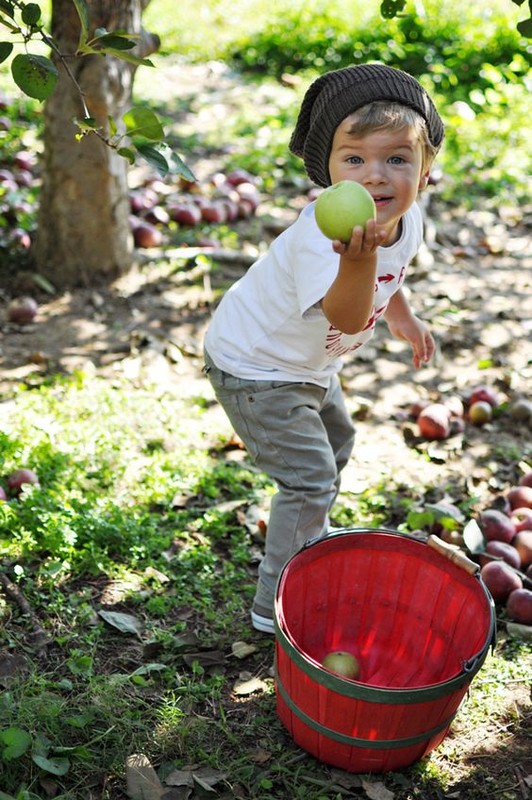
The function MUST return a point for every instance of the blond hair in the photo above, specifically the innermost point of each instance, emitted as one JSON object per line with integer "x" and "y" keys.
{"x": 393, "y": 116}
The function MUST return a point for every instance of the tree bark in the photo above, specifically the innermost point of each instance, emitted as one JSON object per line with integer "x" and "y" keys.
{"x": 83, "y": 236}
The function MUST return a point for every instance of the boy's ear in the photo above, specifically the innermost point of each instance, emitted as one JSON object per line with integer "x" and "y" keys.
{"x": 423, "y": 181}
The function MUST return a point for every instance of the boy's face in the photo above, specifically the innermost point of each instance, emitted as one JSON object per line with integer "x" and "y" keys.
{"x": 388, "y": 163}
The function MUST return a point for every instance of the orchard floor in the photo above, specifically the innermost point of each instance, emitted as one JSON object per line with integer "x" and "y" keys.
{"x": 472, "y": 283}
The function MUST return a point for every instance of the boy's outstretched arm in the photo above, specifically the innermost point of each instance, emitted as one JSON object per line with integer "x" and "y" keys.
{"x": 403, "y": 324}
{"x": 348, "y": 304}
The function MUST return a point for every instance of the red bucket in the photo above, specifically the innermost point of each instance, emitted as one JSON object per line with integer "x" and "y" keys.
{"x": 418, "y": 619}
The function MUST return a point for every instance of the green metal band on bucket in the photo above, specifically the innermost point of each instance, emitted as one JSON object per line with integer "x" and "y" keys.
{"x": 373, "y": 694}
{"x": 343, "y": 738}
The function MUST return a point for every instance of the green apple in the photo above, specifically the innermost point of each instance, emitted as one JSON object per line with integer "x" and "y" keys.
{"x": 341, "y": 663}
{"x": 341, "y": 207}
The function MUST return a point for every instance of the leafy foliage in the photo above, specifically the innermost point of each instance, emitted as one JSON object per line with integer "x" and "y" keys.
{"x": 36, "y": 76}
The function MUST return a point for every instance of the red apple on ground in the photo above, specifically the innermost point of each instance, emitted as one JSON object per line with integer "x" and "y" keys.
{"x": 214, "y": 213}
{"x": 22, "y": 310}
{"x": 245, "y": 209}
{"x": 24, "y": 160}
{"x": 185, "y": 213}
{"x": 147, "y": 235}
{"x": 521, "y": 410}
{"x": 341, "y": 663}
{"x": 526, "y": 479}
{"x": 485, "y": 394}
{"x": 500, "y": 580}
{"x": 417, "y": 407}
{"x": 20, "y": 238}
{"x": 455, "y": 405}
{"x": 522, "y": 519}
{"x": 341, "y": 207}
{"x": 17, "y": 479}
{"x": 480, "y": 412}
{"x": 239, "y": 176}
{"x": 503, "y": 550}
{"x": 519, "y": 606}
{"x": 496, "y": 525}
{"x": 249, "y": 192}
{"x": 520, "y": 496}
{"x": 157, "y": 215}
{"x": 523, "y": 544}
{"x": 434, "y": 421}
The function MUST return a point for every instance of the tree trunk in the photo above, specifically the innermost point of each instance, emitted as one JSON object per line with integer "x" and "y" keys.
{"x": 83, "y": 236}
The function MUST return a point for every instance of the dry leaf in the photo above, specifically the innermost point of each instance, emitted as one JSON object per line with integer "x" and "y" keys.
{"x": 126, "y": 623}
{"x": 377, "y": 790}
{"x": 244, "y": 687}
{"x": 243, "y": 649}
{"x": 141, "y": 778}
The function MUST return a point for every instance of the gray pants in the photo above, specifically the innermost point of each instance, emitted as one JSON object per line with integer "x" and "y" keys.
{"x": 301, "y": 436}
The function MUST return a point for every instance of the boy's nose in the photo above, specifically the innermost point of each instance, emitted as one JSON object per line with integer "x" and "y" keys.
{"x": 374, "y": 173}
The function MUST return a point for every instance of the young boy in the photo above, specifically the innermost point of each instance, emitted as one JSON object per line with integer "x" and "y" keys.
{"x": 273, "y": 349}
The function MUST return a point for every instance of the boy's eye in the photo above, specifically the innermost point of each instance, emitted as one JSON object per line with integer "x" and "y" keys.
{"x": 397, "y": 160}
{"x": 354, "y": 160}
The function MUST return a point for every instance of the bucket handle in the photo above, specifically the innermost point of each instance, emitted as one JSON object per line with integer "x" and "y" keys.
{"x": 453, "y": 553}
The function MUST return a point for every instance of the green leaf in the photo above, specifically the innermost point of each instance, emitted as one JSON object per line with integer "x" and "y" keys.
{"x": 143, "y": 122}
{"x": 31, "y": 14}
{"x": 128, "y": 153}
{"x": 8, "y": 8}
{"x": 6, "y": 49}
{"x": 35, "y": 75}
{"x": 123, "y": 56}
{"x": 525, "y": 28}
{"x": 391, "y": 8}
{"x": 86, "y": 124}
{"x": 154, "y": 157}
{"x": 114, "y": 42}
{"x": 180, "y": 168}
{"x": 84, "y": 18}
{"x": 55, "y": 766}
{"x": 16, "y": 742}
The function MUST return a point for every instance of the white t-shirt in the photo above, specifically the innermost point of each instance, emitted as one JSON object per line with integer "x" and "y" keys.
{"x": 267, "y": 325}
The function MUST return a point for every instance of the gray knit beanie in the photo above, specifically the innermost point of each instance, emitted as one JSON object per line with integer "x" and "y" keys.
{"x": 336, "y": 95}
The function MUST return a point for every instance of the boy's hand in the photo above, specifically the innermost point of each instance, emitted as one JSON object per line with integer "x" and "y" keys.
{"x": 363, "y": 243}
{"x": 414, "y": 331}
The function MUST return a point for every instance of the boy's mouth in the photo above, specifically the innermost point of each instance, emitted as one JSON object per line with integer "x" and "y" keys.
{"x": 382, "y": 200}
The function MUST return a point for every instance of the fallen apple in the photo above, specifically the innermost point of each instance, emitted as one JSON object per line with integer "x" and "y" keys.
{"x": 480, "y": 412}
{"x": 434, "y": 421}
{"x": 19, "y": 477}
{"x": 522, "y": 519}
{"x": 341, "y": 663}
{"x": 526, "y": 479}
{"x": 343, "y": 206}
{"x": 500, "y": 580}
{"x": 22, "y": 310}
{"x": 523, "y": 545}
{"x": 520, "y": 497}
{"x": 484, "y": 394}
{"x": 499, "y": 550}
{"x": 496, "y": 525}
{"x": 519, "y": 606}
{"x": 521, "y": 410}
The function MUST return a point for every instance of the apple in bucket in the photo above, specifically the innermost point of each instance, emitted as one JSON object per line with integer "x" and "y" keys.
{"x": 341, "y": 207}
{"x": 341, "y": 663}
